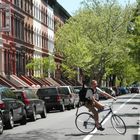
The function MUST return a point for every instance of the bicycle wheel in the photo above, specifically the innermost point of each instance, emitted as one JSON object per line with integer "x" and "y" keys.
{"x": 118, "y": 124}
{"x": 85, "y": 122}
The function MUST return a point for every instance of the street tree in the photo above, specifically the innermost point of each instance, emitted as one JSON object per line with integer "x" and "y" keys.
{"x": 134, "y": 30}
{"x": 42, "y": 66}
{"x": 95, "y": 37}
{"x": 134, "y": 40}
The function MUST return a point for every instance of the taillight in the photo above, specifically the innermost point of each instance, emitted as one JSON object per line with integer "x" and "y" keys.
{"x": 2, "y": 105}
{"x": 58, "y": 98}
{"x": 25, "y": 99}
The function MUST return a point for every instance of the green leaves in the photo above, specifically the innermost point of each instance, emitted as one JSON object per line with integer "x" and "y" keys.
{"x": 42, "y": 66}
{"x": 95, "y": 38}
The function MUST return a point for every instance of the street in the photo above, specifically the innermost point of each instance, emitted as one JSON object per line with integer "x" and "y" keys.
{"x": 61, "y": 125}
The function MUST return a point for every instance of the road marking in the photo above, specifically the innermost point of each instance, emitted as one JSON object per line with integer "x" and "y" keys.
{"x": 95, "y": 130}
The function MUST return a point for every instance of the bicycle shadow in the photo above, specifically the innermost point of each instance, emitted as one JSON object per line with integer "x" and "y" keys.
{"x": 84, "y": 134}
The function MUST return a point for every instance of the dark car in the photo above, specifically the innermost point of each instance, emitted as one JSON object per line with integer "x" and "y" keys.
{"x": 135, "y": 89}
{"x": 13, "y": 109}
{"x": 33, "y": 105}
{"x": 1, "y": 122}
{"x": 54, "y": 98}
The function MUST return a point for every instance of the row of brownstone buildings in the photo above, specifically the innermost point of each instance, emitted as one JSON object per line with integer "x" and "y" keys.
{"x": 31, "y": 32}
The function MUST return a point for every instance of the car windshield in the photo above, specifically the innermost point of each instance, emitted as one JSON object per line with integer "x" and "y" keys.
{"x": 63, "y": 90}
{"x": 47, "y": 91}
{"x": 77, "y": 90}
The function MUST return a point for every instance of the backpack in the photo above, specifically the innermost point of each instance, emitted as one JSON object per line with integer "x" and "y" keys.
{"x": 82, "y": 94}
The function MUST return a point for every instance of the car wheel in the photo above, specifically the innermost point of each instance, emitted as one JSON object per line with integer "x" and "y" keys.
{"x": 33, "y": 116}
{"x": 24, "y": 118}
{"x": 62, "y": 108}
{"x": 1, "y": 124}
{"x": 10, "y": 123}
{"x": 43, "y": 114}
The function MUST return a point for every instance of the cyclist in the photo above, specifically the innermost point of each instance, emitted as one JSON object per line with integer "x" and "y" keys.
{"x": 93, "y": 104}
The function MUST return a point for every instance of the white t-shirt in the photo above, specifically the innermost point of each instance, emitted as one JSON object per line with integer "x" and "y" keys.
{"x": 90, "y": 94}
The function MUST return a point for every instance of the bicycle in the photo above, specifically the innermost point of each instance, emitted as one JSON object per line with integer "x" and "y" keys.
{"x": 85, "y": 121}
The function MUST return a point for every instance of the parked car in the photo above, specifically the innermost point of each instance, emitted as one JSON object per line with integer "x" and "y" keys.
{"x": 109, "y": 90}
{"x": 73, "y": 97}
{"x": 54, "y": 98}
{"x": 77, "y": 89}
{"x": 33, "y": 105}
{"x": 13, "y": 109}
{"x": 135, "y": 89}
{"x": 1, "y": 122}
{"x": 123, "y": 90}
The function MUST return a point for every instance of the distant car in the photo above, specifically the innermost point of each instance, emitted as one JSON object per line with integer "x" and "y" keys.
{"x": 135, "y": 89}
{"x": 123, "y": 90}
{"x": 13, "y": 109}
{"x": 109, "y": 90}
{"x": 1, "y": 122}
{"x": 54, "y": 98}
{"x": 33, "y": 105}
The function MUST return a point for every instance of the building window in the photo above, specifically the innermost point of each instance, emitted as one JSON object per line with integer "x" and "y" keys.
{"x": 21, "y": 4}
{"x": 22, "y": 30}
{"x": 18, "y": 28}
{"x": 25, "y": 33}
{"x": 15, "y": 29}
{"x": 32, "y": 35}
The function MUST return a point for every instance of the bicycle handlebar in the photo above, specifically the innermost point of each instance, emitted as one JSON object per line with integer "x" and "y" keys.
{"x": 111, "y": 104}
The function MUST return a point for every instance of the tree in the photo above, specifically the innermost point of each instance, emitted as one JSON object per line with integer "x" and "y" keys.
{"x": 134, "y": 42}
{"x": 42, "y": 66}
{"x": 95, "y": 37}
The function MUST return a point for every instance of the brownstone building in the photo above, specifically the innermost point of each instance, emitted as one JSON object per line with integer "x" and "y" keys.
{"x": 30, "y": 35}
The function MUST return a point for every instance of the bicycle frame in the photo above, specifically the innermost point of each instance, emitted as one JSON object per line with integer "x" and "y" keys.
{"x": 110, "y": 111}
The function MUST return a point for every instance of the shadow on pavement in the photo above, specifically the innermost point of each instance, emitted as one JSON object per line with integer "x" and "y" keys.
{"x": 132, "y": 126}
{"x": 129, "y": 114}
{"x": 136, "y": 137}
{"x": 31, "y": 135}
{"x": 84, "y": 134}
{"x": 123, "y": 97}
{"x": 121, "y": 102}
{"x": 77, "y": 134}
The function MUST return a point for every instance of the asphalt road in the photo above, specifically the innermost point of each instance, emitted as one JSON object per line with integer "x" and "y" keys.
{"x": 61, "y": 126}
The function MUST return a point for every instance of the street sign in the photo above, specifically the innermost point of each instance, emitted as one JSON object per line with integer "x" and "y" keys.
{"x": 5, "y": 17}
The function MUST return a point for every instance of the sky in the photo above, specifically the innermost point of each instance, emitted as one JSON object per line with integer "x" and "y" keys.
{"x": 72, "y": 5}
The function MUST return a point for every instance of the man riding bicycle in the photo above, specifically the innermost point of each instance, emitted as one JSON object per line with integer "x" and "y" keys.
{"x": 93, "y": 104}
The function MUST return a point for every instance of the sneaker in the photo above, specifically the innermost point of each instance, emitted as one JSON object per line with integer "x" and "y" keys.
{"x": 100, "y": 128}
